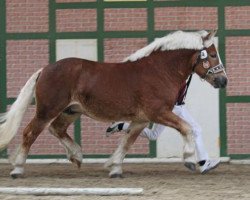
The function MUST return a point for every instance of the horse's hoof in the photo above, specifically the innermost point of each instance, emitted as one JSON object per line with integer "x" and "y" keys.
{"x": 116, "y": 176}
{"x": 15, "y": 176}
{"x": 17, "y": 172}
{"x": 190, "y": 166}
{"x": 77, "y": 162}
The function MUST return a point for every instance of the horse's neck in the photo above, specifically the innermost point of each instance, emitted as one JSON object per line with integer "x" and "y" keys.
{"x": 176, "y": 63}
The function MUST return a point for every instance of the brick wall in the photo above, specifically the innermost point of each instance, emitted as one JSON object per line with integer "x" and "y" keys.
{"x": 237, "y": 17}
{"x": 116, "y": 49}
{"x": 27, "y": 15}
{"x": 185, "y": 18}
{"x": 238, "y": 65}
{"x": 238, "y": 69}
{"x": 76, "y": 20}
{"x": 238, "y": 126}
{"x": 125, "y": 19}
{"x": 26, "y": 56}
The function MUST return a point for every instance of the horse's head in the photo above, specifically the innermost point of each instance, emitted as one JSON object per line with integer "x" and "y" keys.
{"x": 207, "y": 63}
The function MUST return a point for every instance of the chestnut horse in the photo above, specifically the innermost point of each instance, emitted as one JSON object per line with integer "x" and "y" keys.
{"x": 142, "y": 89}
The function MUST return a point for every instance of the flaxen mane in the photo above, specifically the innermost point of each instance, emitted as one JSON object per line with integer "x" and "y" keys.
{"x": 172, "y": 41}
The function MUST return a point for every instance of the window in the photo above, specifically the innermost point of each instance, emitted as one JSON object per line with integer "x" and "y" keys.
{"x": 80, "y": 48}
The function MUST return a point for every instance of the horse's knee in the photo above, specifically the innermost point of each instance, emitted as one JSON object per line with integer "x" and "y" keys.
{"x": 185, "y": 129}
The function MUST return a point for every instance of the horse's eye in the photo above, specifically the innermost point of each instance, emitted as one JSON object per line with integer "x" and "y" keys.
{"x": 213, "y": 55}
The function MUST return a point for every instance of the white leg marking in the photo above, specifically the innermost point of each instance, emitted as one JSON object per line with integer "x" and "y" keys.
{"x": 73, "y": 150}
{"x": 115, "y": 161}
{"x": 189, "y": 148}
{"x": 18, "y": 160}
{"x": 17, "y": 171}
{"x": 119, "y": 154}
{"x": 116, "y": 170}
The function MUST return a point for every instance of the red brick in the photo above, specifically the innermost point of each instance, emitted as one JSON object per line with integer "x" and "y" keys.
{"x": 27, "y": 16}
{"x": 125, "y": 19}
{"x": 76, "y": 20}
{"x": 237, "y": 17}
{"x": 116, "y": 49}
{"x": 185, "y": 18}
{"x": 238, "y": 117}
{"x": 237, "y": 65}
{"x": 24, "y": 57}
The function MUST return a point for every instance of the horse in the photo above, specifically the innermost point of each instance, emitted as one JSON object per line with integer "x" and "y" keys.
{"x": 141, "y": 89}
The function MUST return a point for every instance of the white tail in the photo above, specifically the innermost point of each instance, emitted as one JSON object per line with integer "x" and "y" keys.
{"x": 11, "y": 120}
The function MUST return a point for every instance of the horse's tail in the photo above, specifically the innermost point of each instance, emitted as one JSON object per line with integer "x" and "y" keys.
{"x": 11, "y": 120}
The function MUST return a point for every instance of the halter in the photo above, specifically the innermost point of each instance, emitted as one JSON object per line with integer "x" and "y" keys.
{"x": 216, "y": 69}
{"x": 213, "y": 70}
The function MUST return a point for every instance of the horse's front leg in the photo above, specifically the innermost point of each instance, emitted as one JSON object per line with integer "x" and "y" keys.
{"x": 115, "y": 161}
{"x": 172, "y": 120}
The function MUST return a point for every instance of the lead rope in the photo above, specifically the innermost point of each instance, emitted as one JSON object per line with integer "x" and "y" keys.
{"x": 188, "y": 83}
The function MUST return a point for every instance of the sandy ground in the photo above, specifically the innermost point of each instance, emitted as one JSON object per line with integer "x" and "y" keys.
{"x": 159, "y": 181}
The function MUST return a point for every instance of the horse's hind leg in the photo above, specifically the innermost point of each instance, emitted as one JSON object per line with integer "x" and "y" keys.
{"x": 115, "y": 161}
{"x": 31, "y": 132}
{"x": 58, "y": 128}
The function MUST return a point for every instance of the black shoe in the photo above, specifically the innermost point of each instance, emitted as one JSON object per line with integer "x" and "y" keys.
{"x": 114, "y": 128}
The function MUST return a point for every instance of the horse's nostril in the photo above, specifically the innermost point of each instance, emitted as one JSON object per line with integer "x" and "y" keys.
{"x": 220, "y": 81}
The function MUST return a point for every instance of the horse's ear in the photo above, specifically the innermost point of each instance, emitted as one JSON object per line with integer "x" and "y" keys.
{"x": 210, "y": 35}
{"x": 208, "y": 39}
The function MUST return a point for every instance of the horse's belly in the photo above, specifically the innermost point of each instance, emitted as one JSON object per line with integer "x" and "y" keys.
{"x": 111, "y": 112}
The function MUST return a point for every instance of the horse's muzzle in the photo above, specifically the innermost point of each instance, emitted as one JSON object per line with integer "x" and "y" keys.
{"x": 220, "y": 82}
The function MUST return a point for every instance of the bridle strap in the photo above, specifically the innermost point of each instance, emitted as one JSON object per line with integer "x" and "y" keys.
{"x": 188, "y": 83}
{"x": 197, "y": 62}
{"x": 182, "y": 96}
{"x": 216, "y": 69}
{"x": 213, "y": 70}
{"x": 189, "y": 80}
{"x": 201, "y": 56}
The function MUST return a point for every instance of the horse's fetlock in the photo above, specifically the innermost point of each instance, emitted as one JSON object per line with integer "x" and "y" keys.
{"x": 108, "y": 163}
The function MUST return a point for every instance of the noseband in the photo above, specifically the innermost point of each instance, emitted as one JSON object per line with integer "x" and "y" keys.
{"x": 213, "y": 70}
{"x": 216, "y": 69}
